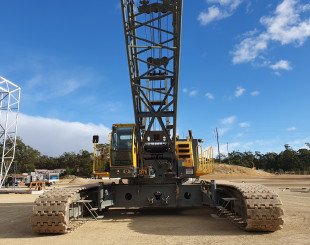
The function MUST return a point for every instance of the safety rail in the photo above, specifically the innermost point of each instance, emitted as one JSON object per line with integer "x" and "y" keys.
{"x": 101, "y": 159}
{"x": 205, "y": 160}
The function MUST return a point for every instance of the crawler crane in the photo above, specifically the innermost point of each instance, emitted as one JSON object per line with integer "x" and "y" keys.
{"x": 153, "y": 164}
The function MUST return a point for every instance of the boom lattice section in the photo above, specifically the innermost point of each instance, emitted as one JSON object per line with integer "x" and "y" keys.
{"x": 153, "y": 39}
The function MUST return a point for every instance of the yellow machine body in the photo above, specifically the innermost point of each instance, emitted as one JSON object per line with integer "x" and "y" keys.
{"x": 184, "y": 151}
{"x": 119, "y": 156}
{"x": 203, "y": 161}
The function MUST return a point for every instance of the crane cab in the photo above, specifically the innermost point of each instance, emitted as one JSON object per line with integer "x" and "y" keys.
{"x": 123, "y": 151}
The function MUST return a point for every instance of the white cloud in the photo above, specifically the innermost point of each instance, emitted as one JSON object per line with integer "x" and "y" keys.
{"x": 209, "y": 96}
{"x": 214, "y": 13}
{"x": 233, "y": 4}
{"x": 185, "y": 90}
{"x": 233, "y": 146}
{"x": 239, "y": 91}
{"x": 228, "y": 120}
{"x": 249, "y": 48}
{"x": 291, "y": 129}
{"x": 249, "y": 33}
{"x": 193, "y": 92}
{"x": 254, "y": 93}
{"x": 244, "y": 125}
{"x": 277, "y": 73}
{"x": 220, "y": 9}
{"x": 46, "y": 78}
{"x": 112, "y": 106}
{"x": 248, "y": 144}
{"x": 299, "y": 143}
{"x": 286, "y": 25}
{"x": 45, "y": 86}
{"x": 222, "y": 131}
{"x": 249, "y": 8}
{"x": 53, "y": 137}
{"x": 281, "y": 65}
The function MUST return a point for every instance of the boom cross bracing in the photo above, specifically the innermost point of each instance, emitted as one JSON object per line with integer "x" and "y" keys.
{"x": 153, "y": 41}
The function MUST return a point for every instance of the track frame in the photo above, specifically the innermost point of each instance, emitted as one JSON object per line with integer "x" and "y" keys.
{"x": 256, "y": 208}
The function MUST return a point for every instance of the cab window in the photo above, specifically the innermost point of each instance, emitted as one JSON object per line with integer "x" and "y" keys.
{"x": 122, "y": 139}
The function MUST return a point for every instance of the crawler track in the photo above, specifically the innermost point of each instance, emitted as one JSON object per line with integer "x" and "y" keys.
{"x": 260, "y": 208}
{"x": 257, "y": 209}
{"x": 51, "y": 213}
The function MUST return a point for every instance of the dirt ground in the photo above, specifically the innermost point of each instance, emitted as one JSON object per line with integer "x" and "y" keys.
{"x": 193, "y": 226}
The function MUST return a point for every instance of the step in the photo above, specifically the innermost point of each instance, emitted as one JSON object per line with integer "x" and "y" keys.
{"x": 237, "y": 219}
{"x": 241, "y": 222}
{"x": 84, "y": 201}
{"x": 93, "y": 209}
{"x": 100, "y": 217}
{"x": 220, "y": 207}
{"x": 229, "y": 199}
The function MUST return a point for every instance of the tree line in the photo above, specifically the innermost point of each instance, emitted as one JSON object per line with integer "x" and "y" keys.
{"x": 28, "y": 159}
{"x": 287, "y": 160}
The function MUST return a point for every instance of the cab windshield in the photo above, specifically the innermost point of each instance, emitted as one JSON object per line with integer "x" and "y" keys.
{"x": 122, "y": 139}
{"x": 121, "y": 146}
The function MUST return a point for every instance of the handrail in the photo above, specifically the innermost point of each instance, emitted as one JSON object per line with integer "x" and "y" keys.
{"x": 205, "y": 160}
{"x": 95, "y": 157}
{"x": 100, "y": 157}
{"x": 198, "y": 157}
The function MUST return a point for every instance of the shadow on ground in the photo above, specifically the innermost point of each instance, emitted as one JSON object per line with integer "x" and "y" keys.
{"x": 175, "y": 222}
{"x": 15, "y": 222}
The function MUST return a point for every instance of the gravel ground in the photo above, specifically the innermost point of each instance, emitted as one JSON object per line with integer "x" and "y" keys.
{"x": 194, "y": 226}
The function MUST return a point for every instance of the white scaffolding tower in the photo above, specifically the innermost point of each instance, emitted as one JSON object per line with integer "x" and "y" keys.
{"x": 9, "y": 108}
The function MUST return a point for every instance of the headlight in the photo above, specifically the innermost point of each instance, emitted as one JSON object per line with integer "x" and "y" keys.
{"x": 126, "y": 171}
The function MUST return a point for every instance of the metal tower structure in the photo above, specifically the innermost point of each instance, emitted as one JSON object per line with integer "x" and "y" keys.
{"x": 9, "y": 108}
{"x": 153, "y": 40}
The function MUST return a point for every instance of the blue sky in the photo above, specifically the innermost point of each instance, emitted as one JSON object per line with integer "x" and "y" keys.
{"x": 244, "y": 69}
